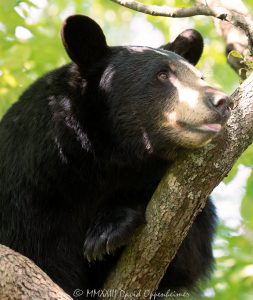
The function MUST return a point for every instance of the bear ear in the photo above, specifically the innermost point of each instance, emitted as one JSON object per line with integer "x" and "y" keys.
{"x": 83, "y": 40}
{"x": 189, "y": 44}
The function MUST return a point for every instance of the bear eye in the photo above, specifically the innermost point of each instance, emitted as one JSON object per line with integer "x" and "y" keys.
{"x": 163, "y": 75}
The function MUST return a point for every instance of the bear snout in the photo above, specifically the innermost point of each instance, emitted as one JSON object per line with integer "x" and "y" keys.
{"x": 219, "y": 103}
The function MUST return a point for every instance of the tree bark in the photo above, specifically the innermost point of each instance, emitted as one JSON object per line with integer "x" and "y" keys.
{"x": 179, "y": 198}
{"x": 21, "y": 279}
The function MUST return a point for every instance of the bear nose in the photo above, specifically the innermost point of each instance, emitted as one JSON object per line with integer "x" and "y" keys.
{"x": 220, "y": 103}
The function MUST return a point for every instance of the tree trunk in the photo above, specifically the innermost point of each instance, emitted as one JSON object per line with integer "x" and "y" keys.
{"x": 21, "y": 279}
{"x": 179, "y": 198}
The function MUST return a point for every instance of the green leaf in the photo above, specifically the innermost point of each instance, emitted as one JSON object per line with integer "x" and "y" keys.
{"x": 235, "y": 53}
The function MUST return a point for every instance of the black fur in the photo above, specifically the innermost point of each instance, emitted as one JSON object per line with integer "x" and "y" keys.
{"x": 81, "y": 157}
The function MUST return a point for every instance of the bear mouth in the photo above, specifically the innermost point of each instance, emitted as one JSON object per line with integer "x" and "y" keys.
{"x": 210, "y": 128}
{"x": 213, "y": 127}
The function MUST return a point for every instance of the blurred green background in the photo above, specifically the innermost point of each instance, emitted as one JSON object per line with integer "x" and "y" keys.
{"x": 30, "y": 45}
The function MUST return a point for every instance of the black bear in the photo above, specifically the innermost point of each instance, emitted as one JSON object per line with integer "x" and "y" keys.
{"x": 84, "y": 148}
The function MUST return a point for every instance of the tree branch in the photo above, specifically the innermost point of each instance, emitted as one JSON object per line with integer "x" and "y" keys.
{"x": 235, "y": 18}
{"x": 166, "y": 11}
{"x": 20, "y": 279}
{"x": 179, "y": 198}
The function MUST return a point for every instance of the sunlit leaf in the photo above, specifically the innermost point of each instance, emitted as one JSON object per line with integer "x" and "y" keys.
{"x": 235, "y": 53}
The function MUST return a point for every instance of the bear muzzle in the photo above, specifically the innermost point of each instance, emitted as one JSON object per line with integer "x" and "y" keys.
{"x": 219, "y": 103}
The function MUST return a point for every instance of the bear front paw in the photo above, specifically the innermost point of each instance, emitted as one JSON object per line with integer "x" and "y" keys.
{"x": 105, "y": 237}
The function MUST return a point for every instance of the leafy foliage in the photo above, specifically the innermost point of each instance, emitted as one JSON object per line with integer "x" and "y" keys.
{"x": 30, "y": 46}
{"x": 245, "y": 60}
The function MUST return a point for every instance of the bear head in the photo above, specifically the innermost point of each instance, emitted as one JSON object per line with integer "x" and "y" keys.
{"x": 154, "y": 100}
